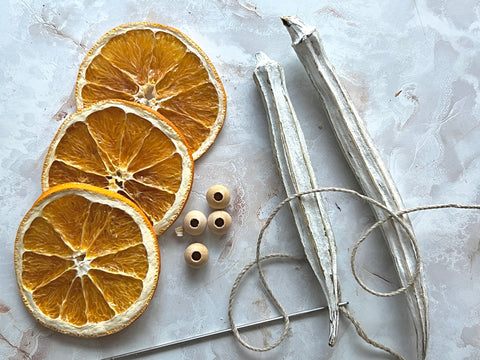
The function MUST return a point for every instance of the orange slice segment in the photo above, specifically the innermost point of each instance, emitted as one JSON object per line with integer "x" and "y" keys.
{"x": 119, "y": 290}
{"x": 124, "y": 262}
{"x": 79, "y": 281}
{"x": 127, "y": 148}
{"x": 160, "y": 67}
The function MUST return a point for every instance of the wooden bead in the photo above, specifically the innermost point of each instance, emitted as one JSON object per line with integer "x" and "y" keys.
{"x": 196, "y": 255}
{"x": 218, "y": 197}
{"x": 219, "y": 222}
{"x": 194, "y": 223}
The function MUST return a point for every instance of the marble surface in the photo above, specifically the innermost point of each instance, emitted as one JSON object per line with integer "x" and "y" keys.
{"x": 412, "y": 68}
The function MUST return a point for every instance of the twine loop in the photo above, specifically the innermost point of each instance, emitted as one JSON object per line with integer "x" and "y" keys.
{"x": 396, "y": 216}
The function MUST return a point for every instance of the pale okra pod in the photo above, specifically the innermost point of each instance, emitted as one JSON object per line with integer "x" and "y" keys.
{"x": 363, "y": 158}
{"x": 293, "y": 160}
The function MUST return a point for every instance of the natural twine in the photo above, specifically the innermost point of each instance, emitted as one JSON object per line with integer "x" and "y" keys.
{"x": 392, "y": 215}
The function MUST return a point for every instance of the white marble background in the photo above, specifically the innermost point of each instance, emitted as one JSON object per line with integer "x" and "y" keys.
{"x": 412, "y": 68}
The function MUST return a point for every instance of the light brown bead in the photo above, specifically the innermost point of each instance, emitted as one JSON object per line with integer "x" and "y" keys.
{"x": 194, "y": 222}
{"x": 196, "y": 255}
{"x": 218, "y": 197}
{"x": 219, "y": 222}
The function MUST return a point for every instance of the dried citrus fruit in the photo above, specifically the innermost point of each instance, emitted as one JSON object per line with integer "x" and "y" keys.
{"x": 127, "y": 148}
{"x": 86, "y": 260}
{"x": 160, "y": 67}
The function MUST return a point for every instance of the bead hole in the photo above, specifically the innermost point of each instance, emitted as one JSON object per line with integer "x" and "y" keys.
{"x": 196, "y": 256}
{"x": 218, "y": 196}
{"x": 194, "y": 223}
{"x": 219, "y": 222}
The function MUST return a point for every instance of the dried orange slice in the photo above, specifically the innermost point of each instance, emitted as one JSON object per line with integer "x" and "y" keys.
{"x": 86, "y": 260}
{"x": 127, "y": 148}
{"x": 162, "y": 68}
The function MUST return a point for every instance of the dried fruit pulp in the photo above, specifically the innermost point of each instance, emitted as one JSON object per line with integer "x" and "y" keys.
{"x": 160, "y": 67}
{"x": 86, "y": 260}
{"x": 127, "y": 148}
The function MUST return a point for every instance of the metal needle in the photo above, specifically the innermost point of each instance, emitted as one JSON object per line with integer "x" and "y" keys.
{"x": 217, "y": 333}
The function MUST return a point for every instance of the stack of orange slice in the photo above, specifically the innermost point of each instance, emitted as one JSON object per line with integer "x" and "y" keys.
{"x": 117, "y": 174}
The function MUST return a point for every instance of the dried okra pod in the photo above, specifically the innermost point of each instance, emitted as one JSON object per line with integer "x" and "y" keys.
{"x": 363, "y": 158}
{"x": 293, "y": 160}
